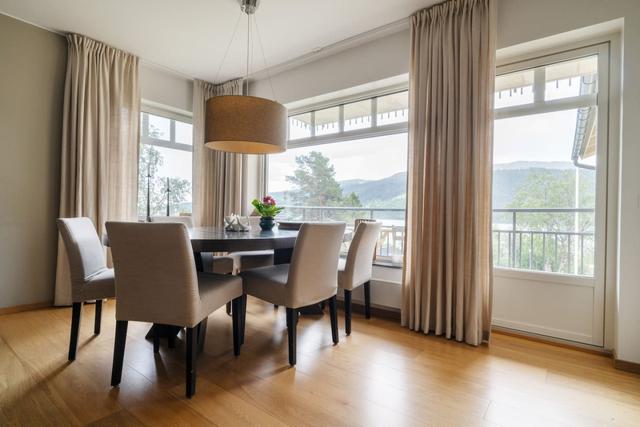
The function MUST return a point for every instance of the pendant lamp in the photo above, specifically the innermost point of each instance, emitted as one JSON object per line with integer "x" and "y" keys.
{"x": 242, "y": 123}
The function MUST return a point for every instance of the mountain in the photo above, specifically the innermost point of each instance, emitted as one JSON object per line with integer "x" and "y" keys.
{"x": 508, "y": 178}
{"x": 389, "y": 192}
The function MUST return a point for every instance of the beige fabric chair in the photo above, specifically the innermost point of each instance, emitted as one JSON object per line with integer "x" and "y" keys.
{"x": 210, "y": 263}
{"x": 356, "y": 269}
{"x": 310, "y": 278}
{"x": 156, "y": 281}
{"x": 90, "y": 277}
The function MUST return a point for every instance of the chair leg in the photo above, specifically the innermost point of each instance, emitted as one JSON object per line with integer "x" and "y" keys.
{"x": 202, "y": 333}
{"x": 291, "y": 329}
{"x": 76, "y": 312}
{"x": 156, "y": 338}
{"x": 347, "y": 311}
{"x": 237, "y": 323}
{"x": 98, "y": 320}
{"x": 367, "y": 300}
{"x": 192, "y": 354}
{"x": 229, "y": 308}
{"x": 118, "y": 352}
{"x": 333, "y": 311}
{"x": 243, "y": 317}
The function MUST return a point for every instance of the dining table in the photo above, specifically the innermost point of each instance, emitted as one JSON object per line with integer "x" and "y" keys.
{"x": 219, "y": 240}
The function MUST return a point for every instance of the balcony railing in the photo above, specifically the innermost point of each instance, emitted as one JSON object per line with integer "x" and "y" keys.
{"x": 522, "y": 240}
{"x": 391, "y": 243}
{"x": 543, "y": 239}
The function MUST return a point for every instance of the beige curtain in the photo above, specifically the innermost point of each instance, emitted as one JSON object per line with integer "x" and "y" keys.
{"x": 448, "y": 266}
{"x": 99, "y": 162}
{"x": 218, "y": 177}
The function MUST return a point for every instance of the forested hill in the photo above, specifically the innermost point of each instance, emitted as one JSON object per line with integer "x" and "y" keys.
{"x": 508, "y": 179}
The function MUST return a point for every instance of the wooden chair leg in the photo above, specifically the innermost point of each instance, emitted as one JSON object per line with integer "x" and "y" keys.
{"x": 76, "y": 312}
{"x": 237, "y": 324}
{"x": 192, "y": 354}
{"x": 229, "y": 308}
{"x": 118, "y": 352}
{"x": 333, "y": 311}
{"x": 367, "y": 300}
{"x": 291, "y": 329}
{"x": 347, "y": 311}
{"x": 98, "y": 319}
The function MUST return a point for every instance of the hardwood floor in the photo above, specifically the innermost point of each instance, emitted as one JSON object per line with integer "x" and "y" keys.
{"x": 380, "y": 375}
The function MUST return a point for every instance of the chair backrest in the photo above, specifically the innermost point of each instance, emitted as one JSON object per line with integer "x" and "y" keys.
{"x": 186, "y": 220}
{"x": 156, "y": 279}
{"x": 84, "y": 250}
{"x": 359, "y": 263}
{"x": 313, "y": 273}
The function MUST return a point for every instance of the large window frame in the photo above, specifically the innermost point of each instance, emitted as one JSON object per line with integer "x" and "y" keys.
{"x": 535, "y": 286}
{"x": 171, "y": 114}
{"x": 342, "y": 135}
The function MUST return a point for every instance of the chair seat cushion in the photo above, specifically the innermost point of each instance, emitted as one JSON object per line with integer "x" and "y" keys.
{"x": 267, "y": 283}
{"x": 216, "y": 290}
{"x": 247, "y": 260}
{"x": 99, "y": 286}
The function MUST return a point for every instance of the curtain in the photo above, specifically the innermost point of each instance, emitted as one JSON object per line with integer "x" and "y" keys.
{"x": 447, "y": 286}
{"x": 99, "y": 161}
{"x": 218, "y": 177}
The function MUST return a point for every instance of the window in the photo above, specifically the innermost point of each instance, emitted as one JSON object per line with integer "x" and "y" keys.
{"x": 545, "y": 168}
{"x": 164, "y": 168}
{"x": 347, "y": 162}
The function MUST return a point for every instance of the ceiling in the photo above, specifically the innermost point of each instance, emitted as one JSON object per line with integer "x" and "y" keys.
{"x": 191, "y": 36}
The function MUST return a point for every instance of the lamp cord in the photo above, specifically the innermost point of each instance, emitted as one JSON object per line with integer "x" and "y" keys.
{"x": 248, "y": 53}
{"x": 226, "y": 52}
{"x": 264, "y": 57}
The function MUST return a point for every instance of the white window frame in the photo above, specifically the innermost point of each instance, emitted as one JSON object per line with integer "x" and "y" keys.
{"x": 342, "y": 135}
{"x": 172, "y": 117}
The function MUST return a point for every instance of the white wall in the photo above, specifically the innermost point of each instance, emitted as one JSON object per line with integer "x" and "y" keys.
{"x": 165, "y": 87}
{"x": 519, "y": 21}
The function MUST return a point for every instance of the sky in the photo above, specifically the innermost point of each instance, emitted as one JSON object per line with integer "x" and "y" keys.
{"x": 369, "y": 159}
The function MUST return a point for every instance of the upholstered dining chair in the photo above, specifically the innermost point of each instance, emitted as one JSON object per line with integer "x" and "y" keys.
{"x": 157, "y": 282}
{"x": 310, "y": 278}
{"x": 355, "y": 270}
{"x": 90, "y": 277}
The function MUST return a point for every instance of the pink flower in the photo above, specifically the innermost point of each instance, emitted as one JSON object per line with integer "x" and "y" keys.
{"x": 268, "y": 200}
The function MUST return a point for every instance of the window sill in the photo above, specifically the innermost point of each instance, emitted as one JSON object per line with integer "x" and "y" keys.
{"x": 387, "y": 265}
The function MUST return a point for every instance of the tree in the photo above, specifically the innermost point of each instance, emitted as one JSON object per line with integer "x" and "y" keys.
{"x": 149, "y": 164}
{"x": 315, "y": 185}
{"x": 547, "y": 188}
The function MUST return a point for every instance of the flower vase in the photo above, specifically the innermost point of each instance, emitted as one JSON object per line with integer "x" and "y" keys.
{"x": 266, "y": 223}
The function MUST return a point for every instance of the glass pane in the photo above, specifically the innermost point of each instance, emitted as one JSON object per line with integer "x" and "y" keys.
{"x": 362, "y": 178}
{"x": 159, "y": 127}
{"x": 571, "y": 78}
{"x": 357, "y": 115}
{"x": 514, "y": 89}
{"x": 300, "y": 126}
{"x": 544, "y": 192}
{"x": 393, "y": 108}
{"x": 327, "y": 121}
{"x": 161, "y": 168}
{"x": 184, "y": 133}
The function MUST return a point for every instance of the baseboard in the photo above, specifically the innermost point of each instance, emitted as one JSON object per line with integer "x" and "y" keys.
{"x": 623, "y": 365}
{"x": 557, "y": 342}
{"x": 25, "y": 307}
{"x": 376, "y": 311}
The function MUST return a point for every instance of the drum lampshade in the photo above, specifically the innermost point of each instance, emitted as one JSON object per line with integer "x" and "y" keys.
{"x": 245, "y": 124}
